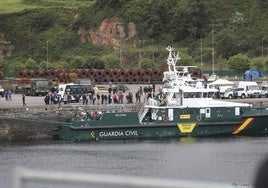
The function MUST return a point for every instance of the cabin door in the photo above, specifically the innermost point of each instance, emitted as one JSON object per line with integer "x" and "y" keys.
{"x": 170, "y": 114}
{"x": 208, "y": 112}
{"x": 237, "y": 111}
{"x": 154, "y": 113}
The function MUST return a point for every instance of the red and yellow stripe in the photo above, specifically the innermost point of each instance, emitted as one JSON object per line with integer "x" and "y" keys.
{"x": 243, "y": 125}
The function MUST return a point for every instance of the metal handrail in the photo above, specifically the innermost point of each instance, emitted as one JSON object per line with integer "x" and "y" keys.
{"x": 23, "y": 175}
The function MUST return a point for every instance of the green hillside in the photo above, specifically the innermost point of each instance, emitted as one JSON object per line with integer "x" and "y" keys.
{"x": 36, "y": 31}
{"x": 12, "y": 6}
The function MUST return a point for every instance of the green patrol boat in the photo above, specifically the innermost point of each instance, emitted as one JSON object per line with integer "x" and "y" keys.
{"x": 179, "y": 110}
{"x": 154, "y": 122}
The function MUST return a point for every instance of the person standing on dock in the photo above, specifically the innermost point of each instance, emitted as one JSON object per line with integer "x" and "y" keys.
{"x": 121, "y": 97}
{"x": 23, "y": 100}
{"x": 6, "y": 96}
{"x": 98, "y": 99}
{"x": 9, "y": 95}
{"x": 138, "y": 97}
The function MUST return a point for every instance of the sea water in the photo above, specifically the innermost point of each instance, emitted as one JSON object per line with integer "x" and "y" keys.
{"x": 232, "y": 160}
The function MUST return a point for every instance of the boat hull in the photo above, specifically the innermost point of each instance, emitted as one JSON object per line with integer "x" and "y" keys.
{"x": 252, "y": 124}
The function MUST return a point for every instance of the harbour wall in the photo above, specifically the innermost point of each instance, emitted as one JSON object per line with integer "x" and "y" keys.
{"x": 31, "y": 123}
{"x": 41, "y": 122}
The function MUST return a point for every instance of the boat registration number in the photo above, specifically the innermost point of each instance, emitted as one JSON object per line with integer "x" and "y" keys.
{"x": 186, "y": 127}
{"x": 185, "y": 116}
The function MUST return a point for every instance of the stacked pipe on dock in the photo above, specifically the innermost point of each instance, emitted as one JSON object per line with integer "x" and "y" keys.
{"x": 116, "y": 75}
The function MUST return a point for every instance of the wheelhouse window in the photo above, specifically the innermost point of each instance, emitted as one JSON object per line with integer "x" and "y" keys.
{"x": 210, "y": 94}
{"x": 198, "y": 95}
{"x": 186, "y": 95}
{"x": 205, "y": 95}
{"x": 192, "y": 95}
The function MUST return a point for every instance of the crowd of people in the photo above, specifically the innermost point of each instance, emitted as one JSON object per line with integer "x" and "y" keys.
{"x": 8, "y": 95}
{"x": 112, "y": 96}
{"x": 141, "y": 94}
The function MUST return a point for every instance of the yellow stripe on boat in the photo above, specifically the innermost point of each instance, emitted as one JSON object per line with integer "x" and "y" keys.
{"x": 244, "y": 125}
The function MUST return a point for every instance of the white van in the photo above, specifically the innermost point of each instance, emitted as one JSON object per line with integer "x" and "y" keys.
{"x": 250, "y": 89}
{"x": 62, "y": 89}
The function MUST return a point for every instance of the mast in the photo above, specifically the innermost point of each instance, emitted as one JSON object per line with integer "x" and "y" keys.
{"x": 201, "y": 55}
{"x": 172, "y": 59}
{"x": 212, "y": 43}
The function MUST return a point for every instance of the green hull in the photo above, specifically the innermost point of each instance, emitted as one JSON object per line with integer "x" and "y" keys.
{"x": 183, "y": 122}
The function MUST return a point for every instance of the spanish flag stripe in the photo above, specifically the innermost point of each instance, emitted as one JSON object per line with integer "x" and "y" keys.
{"x": 244, "y": 125}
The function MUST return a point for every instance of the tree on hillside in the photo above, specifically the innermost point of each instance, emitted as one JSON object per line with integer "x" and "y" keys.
{"x": 239, "y": 63}
{"x": 110, "y": 3}
{"x": 31, "y": 64}
{"x": 189, "y": 19}
{"x": 16, "y": 66}
{"x": 41, "y": 20}
{"x": 226, "y": 43}
{"x": 185, "y": 60}
{"x": 111, "y": 61}
{"x": 147, "y": 63}
{"x": 47, "y": 65}
{"x": 76, "y": 61}
{"x": 93, "y": 63}
{"x": 258, "y": 64}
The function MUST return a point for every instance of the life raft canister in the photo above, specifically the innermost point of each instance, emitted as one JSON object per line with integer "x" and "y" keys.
{"x": 199, "y": 118}
{"x": 164, "y": 118}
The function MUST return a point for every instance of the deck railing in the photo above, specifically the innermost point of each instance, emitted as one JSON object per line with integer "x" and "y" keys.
{"x": 23, "y": 175}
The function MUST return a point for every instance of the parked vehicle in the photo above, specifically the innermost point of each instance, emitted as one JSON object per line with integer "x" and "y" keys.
{"x": 239, "y": 93}
{"x": 264, "y": 90}
{"x": 85, "y": 82}
{"x": 227, "y": 94}
{"x": 248, "y": 90}
{"x": 37, "y": 87}
{"x": 74, "y": 91}
{"x": 253, "y": 75}
{"x": 62, "y": 89}
{"x": 119, "y": 87}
